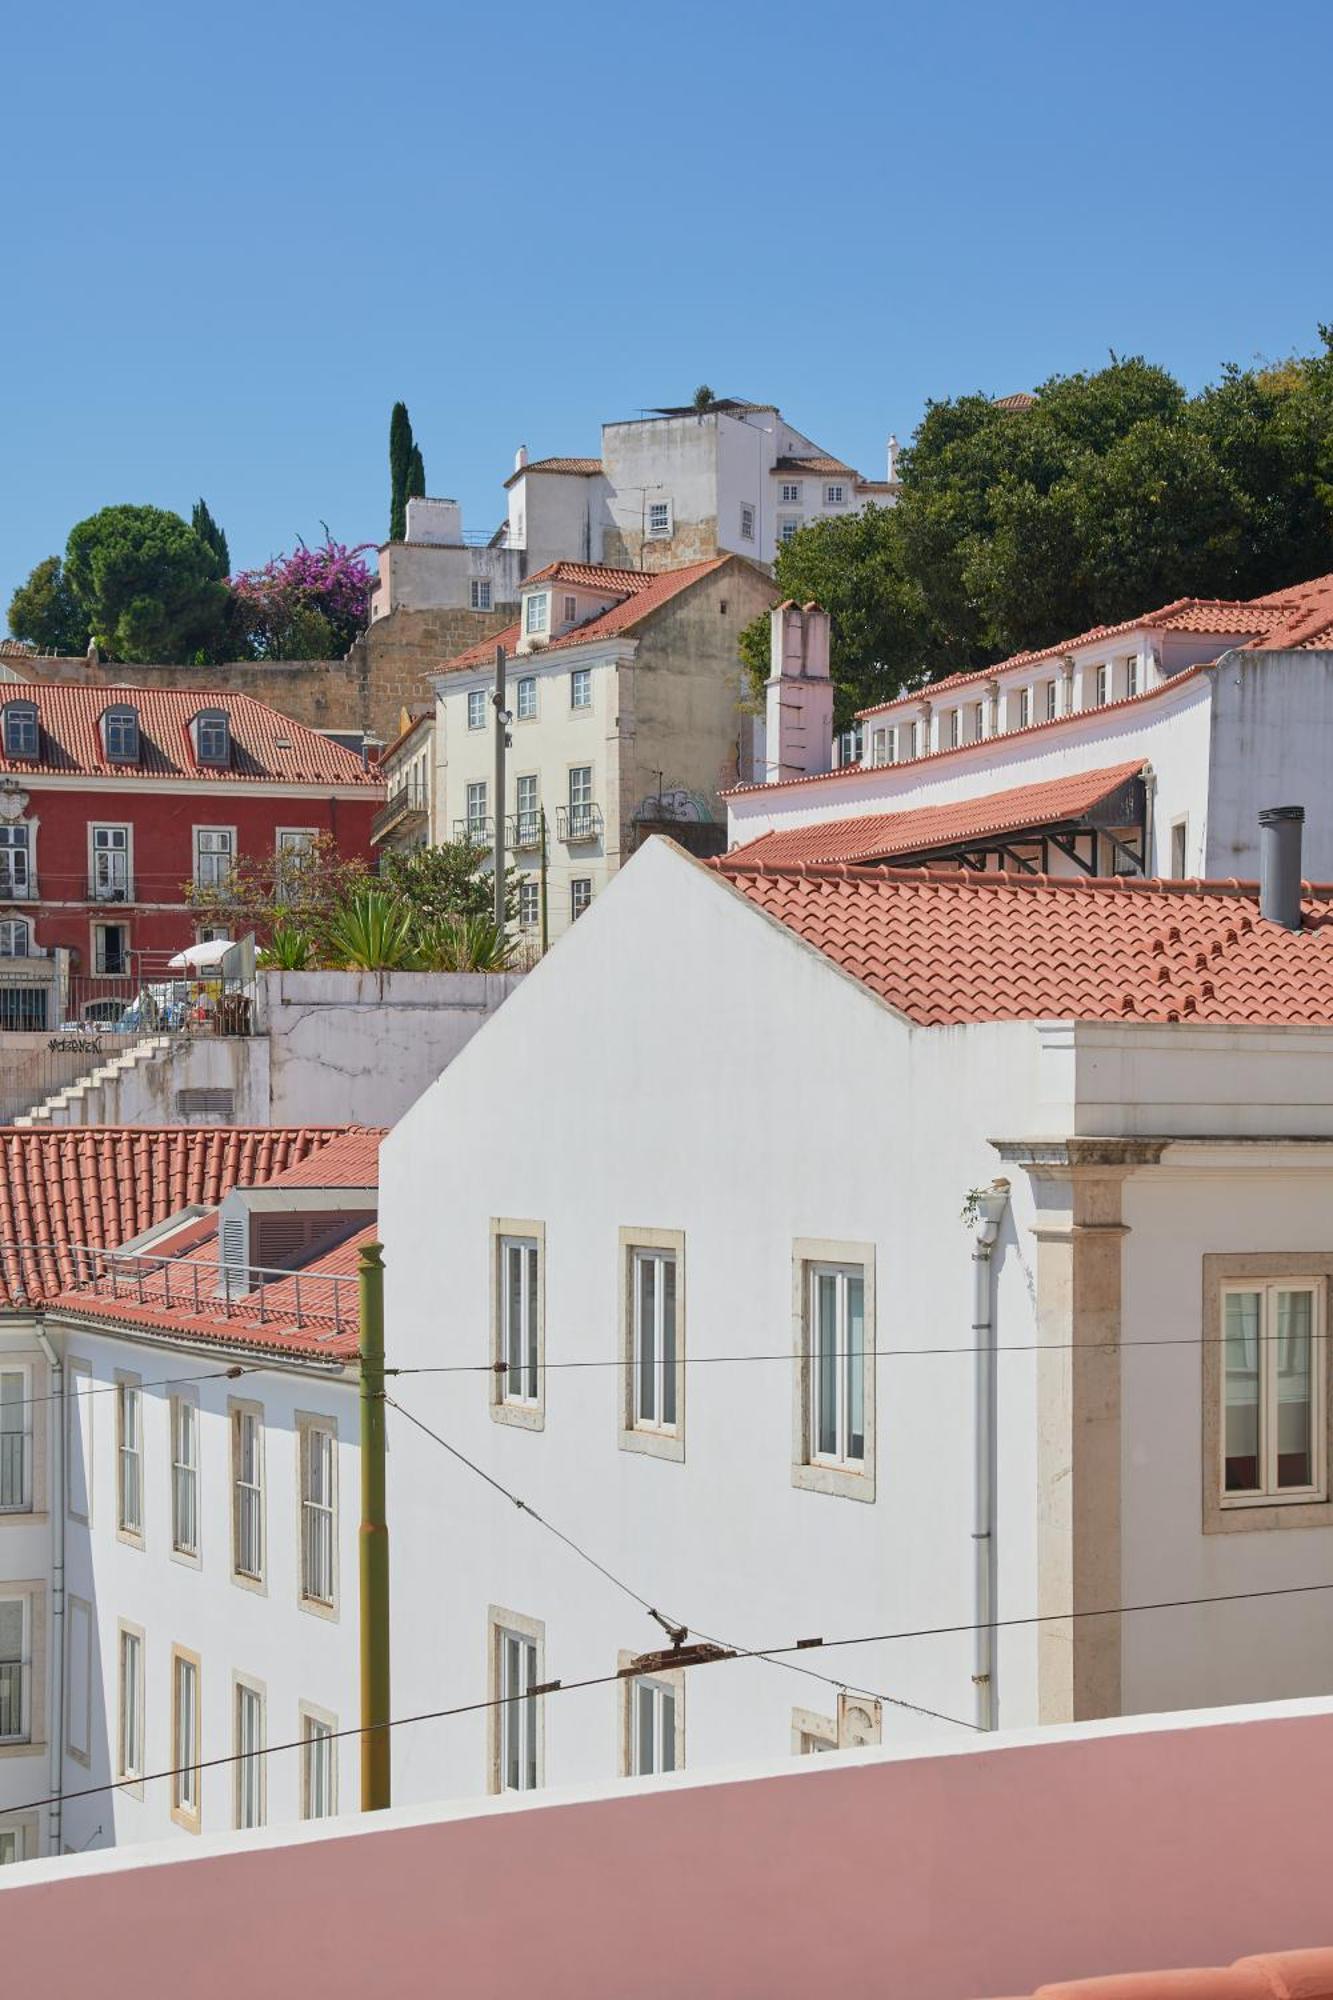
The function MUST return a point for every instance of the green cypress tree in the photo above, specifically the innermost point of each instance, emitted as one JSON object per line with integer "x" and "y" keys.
{"x": 416, "y": 475}
{"x": 211, "y": 535}
{"x": 401, "y": 448}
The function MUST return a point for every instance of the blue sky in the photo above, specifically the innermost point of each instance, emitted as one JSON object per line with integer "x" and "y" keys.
{"x": 234, "y": 234}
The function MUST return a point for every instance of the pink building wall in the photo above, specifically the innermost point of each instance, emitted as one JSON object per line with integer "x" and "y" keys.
{"x": 1095, "y": 1849}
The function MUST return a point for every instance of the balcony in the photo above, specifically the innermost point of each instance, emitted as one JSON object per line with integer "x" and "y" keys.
{"x": 16, "y": 888}
{"x": 575, "y": 824}
{"x": 479, "y": 829}
{"x": 524, "y": 831}
{"x": 402, "y": 812}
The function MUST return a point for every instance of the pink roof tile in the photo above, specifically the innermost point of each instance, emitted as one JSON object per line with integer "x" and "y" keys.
{"x": 951, "y": 948}
{"x": 652, "y": 589}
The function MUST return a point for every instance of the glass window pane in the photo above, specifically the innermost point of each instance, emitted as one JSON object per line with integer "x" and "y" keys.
{"x": 668, "y": 1340}
{"x": 856, "y": 1368}
{"x": 510, "y": 1715}
{"x": 1241, "y": 1313}
{"x": 647, "y": 1335}
{"x": 514, "y": 1318}
{"x": 530, "y": 1303}
{"x": 1295, "y": 1403}
{"x": 826, "y": 1363}
{"x": 668, "y": 1758}
{"x": 530, "y": 1718}
{"x": 643, "y": 1696}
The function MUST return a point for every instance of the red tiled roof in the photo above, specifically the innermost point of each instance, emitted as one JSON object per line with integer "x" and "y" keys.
{"x": 1020, "y": 400}
{"x": 98, "y": 1186}
{"x": 877, "y": 836}
{"x": 69, "y": 718}
{"x": 819, "y": 464}
{"x": 351, "y": 1159}
{"x": 657, "y": 588}
{"x": 952, "y": 948}
{"x": 593, "y": 576}
{"x": 585, "y": 468}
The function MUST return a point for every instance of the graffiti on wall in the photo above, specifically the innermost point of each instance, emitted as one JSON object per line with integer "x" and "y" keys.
{"x": 675, "y": 802}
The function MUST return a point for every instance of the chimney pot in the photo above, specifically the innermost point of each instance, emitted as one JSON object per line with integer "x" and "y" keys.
{"x": 1280, "y": 830}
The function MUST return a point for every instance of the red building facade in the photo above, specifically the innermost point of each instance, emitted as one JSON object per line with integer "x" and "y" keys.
{"x": 112, "y": 800}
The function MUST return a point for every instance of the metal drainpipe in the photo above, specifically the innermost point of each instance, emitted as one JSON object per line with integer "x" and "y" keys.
{"x": 57, "y": 1511}
{"x": 990, "y": 1208}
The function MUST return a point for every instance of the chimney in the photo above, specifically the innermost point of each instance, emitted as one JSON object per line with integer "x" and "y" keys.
{"x": 799, "y": 705}
{"x": 894, "y": 449}
{"x": 1280, "y": 865}
{"x": 520, "y": 458}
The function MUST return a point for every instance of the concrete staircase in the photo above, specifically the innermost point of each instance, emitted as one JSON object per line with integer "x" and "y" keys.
{"x": 82, "y": 1101}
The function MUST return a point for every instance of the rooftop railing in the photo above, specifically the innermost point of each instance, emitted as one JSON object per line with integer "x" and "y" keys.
{"x": 319, "y": 1302}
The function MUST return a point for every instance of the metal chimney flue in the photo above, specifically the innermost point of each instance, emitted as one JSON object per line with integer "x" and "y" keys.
{"x": 1280, "y": 865}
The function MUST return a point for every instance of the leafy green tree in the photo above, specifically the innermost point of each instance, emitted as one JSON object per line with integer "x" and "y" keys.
{"x": 46, "y": 613}
{"x": 401, "y": 447}
{"x": 416, "y": 476}
{"x": 452, "y": 880}
{"x": 211, "y": 535}
{"x": 148, "y": 585}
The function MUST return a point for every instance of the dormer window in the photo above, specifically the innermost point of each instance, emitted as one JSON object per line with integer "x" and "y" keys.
{"x": 21, "y": 739}
{"x": 120, "y": 735}
{"x": 536, "y": 612}
{"x": 212, "y": 736}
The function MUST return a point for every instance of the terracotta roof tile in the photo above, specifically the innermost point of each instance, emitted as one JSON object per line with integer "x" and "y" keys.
{"x": 655, "y": 588}
{"x": 953, "y": 948}
{"x": 100, "y": 1185}
{"x": 69, "y": 718}
{"x": 595, "y": 576}
{"x": 1021, "y": 399}
{"x": 585, "y": 468}
{"x": 817, "y": 465}
{"x": 351, "y": 1159}
{"x": 877, "y": 836}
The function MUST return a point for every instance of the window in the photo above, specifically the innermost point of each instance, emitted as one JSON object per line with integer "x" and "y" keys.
{"x": 955, "y": 727}
{"x": 79, "y": 1407}
{"x": 518, "y": 1326}
{"x": 659, "y": 520}
{"x": 121, "y": 735}
{"x": 15, "y": 1641}
{"x": 978, "y": 721}
{"x": 527, "y": 831}
{"x": 517, "y": 1645}
{"x": 477, "y": 824}
{"x": 1025, "y": 708}
{"x": 652, "y": 1721}
{"x": 249, "y": 1765}
{"x": 1103, "y": 684}
{"x": 294, "y": 843}
{"x": 15, "y": 874}
{"x": 129, "y": 1703}
{"x": 111, "y": 864}
{"x": 580, "y": 895}
{"x": 1179, "y": 849}
{"x": 813, "y": 1735}
{"x": 212, "y": 736}
{"x": 15, "y": 1440}
{"x": 526, "y": 702}
{"x": 529, "y": 903}
{"x": 18, "y": 1839}
{"x": 833, "y": 1310}
{"x": 1132, "y": 676}
{"x": 536, "y": 611}
{"x": 571, "y": 610}
{"x": 186, "y": 1788}
{"x": 319, "y": 1473}
{"x": 791, "y": 493}
{"x": 1272, "y": 1396}
{"x": 580, "y": 802}
{"x": 15, "y": 937}
{"x": 833, "y": 496}
{"x": 787, "y": 527}
{"x": 1052, "y": 700}
{"x": 910, "y": 751}
{"x": 184, "y": 1476}
{"x": 580, "y": 688}
{"x": 129, "y": 1459}
{"x": 652, "y": 1343}
{"x": 879, "y": 746}
{"x": 747, "y": 523}
{"x": 481, "y": 593}
{"x": 21, "y": 737}
{"x": 111, "y": 948}
{"x": 247, "y": 1444}
{"x": 319, "y": 1765}
{"x": 476, "y": 708}
{"x": 214, "y": 853}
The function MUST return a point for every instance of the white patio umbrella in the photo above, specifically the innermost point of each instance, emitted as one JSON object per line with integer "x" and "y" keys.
{"x": 196, "y": 956}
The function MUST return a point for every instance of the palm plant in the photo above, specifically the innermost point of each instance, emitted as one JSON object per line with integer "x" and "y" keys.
{"x": 464, "y": 944}
{"x": 372, "y": 932}
{"x": 289, "y": 949}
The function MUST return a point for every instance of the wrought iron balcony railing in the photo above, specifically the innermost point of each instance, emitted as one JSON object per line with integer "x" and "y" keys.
{"x": 578, "y": 823}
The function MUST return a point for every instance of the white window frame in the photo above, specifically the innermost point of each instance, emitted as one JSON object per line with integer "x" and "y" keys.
{"x": 130, "y": 1706}
{"x": 1180, "y": 849}
{"x": 849, "y": 1478}
{"x": 480, "y": 593}
{"x": 569, "y": 609}
{"x": 517, "y": 1726}
{"x": 646, "y": 1698}
{"x": 183, "y": 1415}
{"x": 247, "y": 1513}
{"x": 791, "y": 493}
{"x": 130, "y": 1490}
{"x": 879, "y": 746}
{"x": 834, "y": 496}
{"x": 536, "y": 613}
{"x": 1102, "y": 685}
{"x": 319, "y": 1739}
{"x": 788, "y": 527}
{"x": 293, "y": 840}
{"x": 811, "y": 1733}
{"x": 580, "y": 688}
{"x": 978, "y": 721}
{"x": 19, "y": 1835}
{"x": 101, "y": 932}
{"x": 1052, "y": 700}
{"x": 1131, "y": 676}
{"x": 515, "y": 1397}
{"x": 660, "y": 525}
{"x": 213, "y": 845}
{"x": 579, "y": 801}
{"x": 1268, "y": 1493}
{"x": 955, "y": 727}
{"x": 476, "y": 708}
{"x": 1025, "y": 708}
{"x": 17, "y": 1471}
{"x": 580, "y": 896}
{"x": 249, "y": 1710}
{"x": 476, "y": 814}
{"x": 187, "y": 1778}
{"x": 525, "y": 698}
{"x": 529, "y": 903}
{"x": 25, "y": 1679}
{"x": 15, "y": 937}
{"x": 317, "y": 1504}
{"x": 18, "y": 845}
{"x": 652, "y": 1433}
{"x": 1281, "y": 1507}
{"x": 747, "y": 520}
{"x": 108, "y": 851}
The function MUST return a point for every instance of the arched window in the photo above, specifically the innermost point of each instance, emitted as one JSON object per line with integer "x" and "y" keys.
{"x": 212, "y": 736}
{"x": 21, "y": 738}
{"x": 120, "y": 734}
{"x": 15, "y": 938}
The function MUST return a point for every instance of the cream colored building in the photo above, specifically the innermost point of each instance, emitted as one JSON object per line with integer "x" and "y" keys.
{"x": 627, "y": 715}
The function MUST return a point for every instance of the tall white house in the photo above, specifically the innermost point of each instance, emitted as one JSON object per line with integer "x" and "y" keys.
{"x": 971, "y": 1369}
{"x": 1144, "y": 747}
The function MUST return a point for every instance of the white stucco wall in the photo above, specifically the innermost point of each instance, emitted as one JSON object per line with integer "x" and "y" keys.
{"x": 1272, "y": 726}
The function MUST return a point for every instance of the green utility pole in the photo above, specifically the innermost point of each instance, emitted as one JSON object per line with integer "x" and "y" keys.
{"x": 375, "y": 1739}
{"x": 545, "y": 932}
